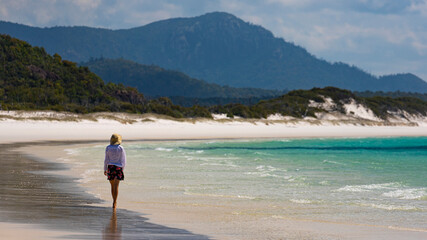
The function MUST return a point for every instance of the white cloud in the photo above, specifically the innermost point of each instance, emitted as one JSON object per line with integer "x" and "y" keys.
{"x": 419, "y": 7}
{"x": 43, "y": 16}
{"x": 421, "y": 46}
{"x": 134, "y": 13}
{"x": 87, "y": 4}
{"x": 4, "y": 12}
{"x": 291, "y": 3}
{"x": 28, "y": 12}
{"x": 231, "y": 5}
{"x": 253, "y": 19}
{"x": 237, "y": 7}
{"x": 142, "y": 18}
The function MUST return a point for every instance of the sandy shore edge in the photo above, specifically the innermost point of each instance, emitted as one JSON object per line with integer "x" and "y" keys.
{"x": 301, "y": 228}
{"x": 42, "y": 201}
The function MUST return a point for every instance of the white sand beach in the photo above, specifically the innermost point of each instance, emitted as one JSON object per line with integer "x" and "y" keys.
{"x": 51, "y": 126}
{"x": 18, "y": 127}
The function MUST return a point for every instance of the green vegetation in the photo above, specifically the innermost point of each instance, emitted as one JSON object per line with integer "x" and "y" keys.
{"x": 31, "y": 79}
{"x": 381, "y": 106}
{"x": 189, "y": 101}
{"x": 295, "y": 104}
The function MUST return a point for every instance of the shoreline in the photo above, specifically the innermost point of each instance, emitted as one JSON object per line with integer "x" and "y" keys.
{"x": 298, "y": 228}
{"x": 42, "y": 201}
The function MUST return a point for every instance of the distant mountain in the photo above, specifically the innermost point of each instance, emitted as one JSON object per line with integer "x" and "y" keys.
{"x": 155, "y": 81}
{"x": 421, "y": 96}
{"x": 389, "y": 83}
{"x": 216, "y": 47}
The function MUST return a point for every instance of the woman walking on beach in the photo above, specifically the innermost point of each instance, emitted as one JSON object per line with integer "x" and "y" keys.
{"x": 114, "y": 163}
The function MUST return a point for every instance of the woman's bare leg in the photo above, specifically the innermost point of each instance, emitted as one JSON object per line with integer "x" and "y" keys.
{"x": 114, "y": 190}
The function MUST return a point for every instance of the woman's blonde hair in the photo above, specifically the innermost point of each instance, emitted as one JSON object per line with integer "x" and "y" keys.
{"x": 115, "y": 139}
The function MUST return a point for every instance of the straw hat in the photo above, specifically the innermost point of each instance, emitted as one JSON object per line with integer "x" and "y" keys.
{"x": 115, "y": 139}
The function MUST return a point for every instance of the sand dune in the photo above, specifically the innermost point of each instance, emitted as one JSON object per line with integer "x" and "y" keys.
{"x": 42, "y": 126}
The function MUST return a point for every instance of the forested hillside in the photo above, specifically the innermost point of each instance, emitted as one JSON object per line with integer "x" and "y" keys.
{"x": 31, "y": 79}
{"x": 155, "y": 81}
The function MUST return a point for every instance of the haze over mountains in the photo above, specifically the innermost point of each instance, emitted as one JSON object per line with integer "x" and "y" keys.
{"x": 216, "y": 47}
{"x": 155, "y": 81}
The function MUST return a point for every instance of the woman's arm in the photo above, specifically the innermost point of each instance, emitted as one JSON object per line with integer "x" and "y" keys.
{"x": 123, "y": 158}
{"x": 106, "y": 160}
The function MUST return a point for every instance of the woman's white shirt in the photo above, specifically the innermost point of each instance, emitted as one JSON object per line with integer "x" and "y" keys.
{"x": 115, "y": 155}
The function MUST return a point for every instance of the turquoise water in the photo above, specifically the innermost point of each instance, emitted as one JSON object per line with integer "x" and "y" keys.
{"x": 377, "y": 181}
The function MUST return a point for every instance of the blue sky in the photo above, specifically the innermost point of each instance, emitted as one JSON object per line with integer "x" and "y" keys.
{"x": 379, "y": 36}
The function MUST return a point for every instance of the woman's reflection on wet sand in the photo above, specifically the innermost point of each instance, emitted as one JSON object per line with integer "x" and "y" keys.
{"x": 112, "y": 231}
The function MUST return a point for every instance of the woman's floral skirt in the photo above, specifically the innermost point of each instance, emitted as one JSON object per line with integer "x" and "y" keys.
{"x": 115, "y": 172}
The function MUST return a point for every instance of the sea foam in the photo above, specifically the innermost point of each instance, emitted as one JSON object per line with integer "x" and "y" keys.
{"x": 410, "y": 194}
{"x": 367, "y": 188}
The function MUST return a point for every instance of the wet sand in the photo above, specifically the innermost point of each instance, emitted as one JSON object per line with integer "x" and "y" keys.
{"x": 37, "y": 202}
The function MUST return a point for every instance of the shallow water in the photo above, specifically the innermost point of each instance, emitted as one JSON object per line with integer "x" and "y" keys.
{"x": 48, "y": 205}
{"x": 373, "y": 181}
